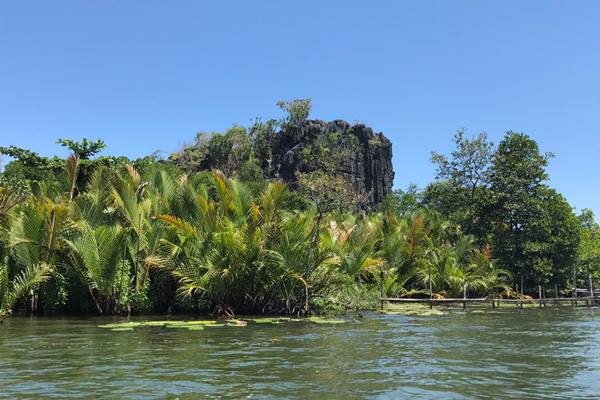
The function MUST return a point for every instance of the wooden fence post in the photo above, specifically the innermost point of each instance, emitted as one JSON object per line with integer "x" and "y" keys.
{"x": 522, "y": 291}
{"x": 430, "y": 288}
{"x": 544, "y": 295}
{"x": 574, "y": 302}
{"x": 381, "y": 291}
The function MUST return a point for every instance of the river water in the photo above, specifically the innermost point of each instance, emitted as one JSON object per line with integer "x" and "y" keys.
{"x": 510, "y": 353}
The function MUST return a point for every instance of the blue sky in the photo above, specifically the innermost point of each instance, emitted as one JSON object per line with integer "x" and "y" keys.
{"x": 147, "y": 75}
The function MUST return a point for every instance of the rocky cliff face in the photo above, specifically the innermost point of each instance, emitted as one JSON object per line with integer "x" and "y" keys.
{"x": 366, "y": 157}
{"x": 353, "y": 151}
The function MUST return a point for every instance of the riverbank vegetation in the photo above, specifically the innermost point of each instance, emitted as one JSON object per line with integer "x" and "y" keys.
{"x": 109, "y": 235}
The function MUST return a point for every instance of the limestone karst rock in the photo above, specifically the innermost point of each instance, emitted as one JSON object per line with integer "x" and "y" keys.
{"x": 367, "y": 164}
{"x": 354, "y": 151}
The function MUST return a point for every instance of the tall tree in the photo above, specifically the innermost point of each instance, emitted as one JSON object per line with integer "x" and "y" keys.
{"x": 85, "y": 149}
{"x": 534, "y": 230}
{"x": 463, "y": 179}
{"x": 589, "y": 246}
{"x": 469, "y": 163}
{"x": 297, "y": 110}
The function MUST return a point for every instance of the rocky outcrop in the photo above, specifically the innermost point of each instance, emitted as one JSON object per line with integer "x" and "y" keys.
{"x": 353, "y": 151}
{"x": 362, "y": 156}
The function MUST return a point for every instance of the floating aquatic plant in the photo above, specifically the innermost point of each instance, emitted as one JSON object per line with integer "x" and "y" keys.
{"x": 198, "y": 325}
{"x": 123, "y": 329}
{"x": 419, "y": 310}
{"x": 321, "y": 320}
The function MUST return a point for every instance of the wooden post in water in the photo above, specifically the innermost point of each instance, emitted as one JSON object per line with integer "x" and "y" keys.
{"x": 521, "y": 290}
{"x": 381, "y": 290}
{"x": 493, "y": 300}
{"x": 540, "y": 295}
{"x": 544, "y": 295}
{"x": 588, "y": 302}
{"x": 430, "y": 289}
{"x": 574, "y": 285}
{"x": 464, "y": 296}
{"x": 591, "y": 285}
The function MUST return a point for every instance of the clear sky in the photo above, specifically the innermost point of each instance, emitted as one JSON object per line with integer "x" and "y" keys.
{"x": 147, "y": 75}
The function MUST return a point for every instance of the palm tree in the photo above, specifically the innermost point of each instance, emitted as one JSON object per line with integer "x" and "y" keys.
{"x": 412, "y": 255}
{"x": 97, "y": 256}
{"x": 37, "y": 238}
{"x": 484, "y": 276}
{"x": 95, "y": 204}
{"x": 243, "y": 251}
{"x": 133, "y": 212}
{"x": 12, "y": 290}
{"x": 459, "y": 267}
{"x": 293, "y": 244}
{"x": 224, "y": 251}
{"x": 356, "y": 244}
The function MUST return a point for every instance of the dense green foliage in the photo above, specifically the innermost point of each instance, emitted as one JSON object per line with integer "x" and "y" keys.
{"x": 209, "y": 243}
{"x": 589, "y": 247}
{"x": 499, "y": 195}
{"x": 110, "y": 235}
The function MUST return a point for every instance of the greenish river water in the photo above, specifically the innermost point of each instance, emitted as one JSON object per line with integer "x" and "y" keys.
{"x": 530, "y": 353}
